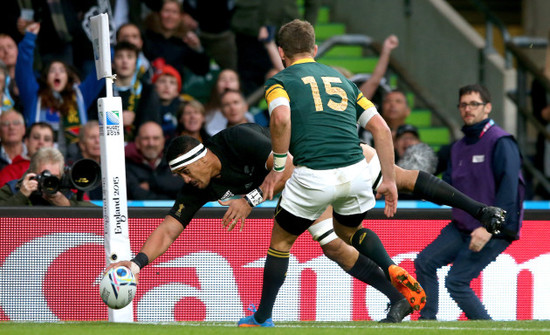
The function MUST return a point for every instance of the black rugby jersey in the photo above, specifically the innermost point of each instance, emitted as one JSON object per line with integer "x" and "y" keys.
{"x": 243, "y": 151}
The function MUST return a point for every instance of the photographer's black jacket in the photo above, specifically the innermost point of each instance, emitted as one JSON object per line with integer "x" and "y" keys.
{"x": 11, "y": 196}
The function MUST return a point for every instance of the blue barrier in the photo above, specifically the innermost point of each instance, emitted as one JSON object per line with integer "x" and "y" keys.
{"x": 272, "y": 203}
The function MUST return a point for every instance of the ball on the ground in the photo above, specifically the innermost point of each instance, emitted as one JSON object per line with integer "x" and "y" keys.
{"x": 118, "y": 287}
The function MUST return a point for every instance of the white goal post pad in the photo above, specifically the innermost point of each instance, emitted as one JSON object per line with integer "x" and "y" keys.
{"x": 115, "y": 205}
{"x": 102, "y": 45}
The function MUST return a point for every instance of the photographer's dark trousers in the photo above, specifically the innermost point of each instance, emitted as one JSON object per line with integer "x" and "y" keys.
{"x": 451, "y": 246}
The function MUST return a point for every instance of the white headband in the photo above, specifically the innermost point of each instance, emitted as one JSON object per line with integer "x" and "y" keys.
{"x": 189, "y": 157}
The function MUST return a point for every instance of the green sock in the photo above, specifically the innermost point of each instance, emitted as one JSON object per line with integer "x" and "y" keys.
{"x": 366, "y": 271}
{"x": 276, "y": 265}
{"x": 367, "y": 243}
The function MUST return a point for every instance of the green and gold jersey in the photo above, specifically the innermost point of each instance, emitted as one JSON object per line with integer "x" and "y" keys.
{"x": 325, "y": 108}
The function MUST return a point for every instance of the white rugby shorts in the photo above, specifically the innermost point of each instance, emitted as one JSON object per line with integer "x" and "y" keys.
{"x": 348, "y": 189}
{"x": 375, "y": 170}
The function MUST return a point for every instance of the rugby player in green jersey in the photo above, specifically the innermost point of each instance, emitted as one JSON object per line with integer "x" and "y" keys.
{"x": 314, "y": 115}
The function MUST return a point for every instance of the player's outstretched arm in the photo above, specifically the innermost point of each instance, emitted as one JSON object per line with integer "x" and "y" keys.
{"x": 239, "y": 209}
{"x": 157, "y": 243}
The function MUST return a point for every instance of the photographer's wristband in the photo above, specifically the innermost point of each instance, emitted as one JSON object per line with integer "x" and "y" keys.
{"x": 254, "y": 197}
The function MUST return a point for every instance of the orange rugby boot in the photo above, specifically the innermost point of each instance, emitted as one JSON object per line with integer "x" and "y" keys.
{"x": 408, "y": 286}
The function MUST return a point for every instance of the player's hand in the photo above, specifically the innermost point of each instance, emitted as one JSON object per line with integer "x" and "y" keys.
{"x": 127, "y": 264}
{"x": 389, "y": 190}
{"x": 270, "y": 182}
{"x": 480, "y": 237}
{"x": 238, "y": 210}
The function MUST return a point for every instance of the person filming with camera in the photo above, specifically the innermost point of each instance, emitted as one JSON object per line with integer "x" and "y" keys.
{"x": 42, "y": 184}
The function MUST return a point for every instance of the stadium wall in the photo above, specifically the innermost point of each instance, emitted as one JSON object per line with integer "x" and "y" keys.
{"x": 51, "y": 262}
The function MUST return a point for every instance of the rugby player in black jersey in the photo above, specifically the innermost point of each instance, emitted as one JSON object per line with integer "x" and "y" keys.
{"x": 236, "y": 160}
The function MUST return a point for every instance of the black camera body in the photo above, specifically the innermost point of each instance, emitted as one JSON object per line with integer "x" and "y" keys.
{"x": 84, "y": 175}
{"x": 47, "y": 183}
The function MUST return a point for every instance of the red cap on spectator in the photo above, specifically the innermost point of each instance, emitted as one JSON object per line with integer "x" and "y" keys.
{"x": 168, "y": 70}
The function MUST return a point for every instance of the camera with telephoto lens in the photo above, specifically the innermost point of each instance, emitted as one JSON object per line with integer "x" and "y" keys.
{"x": 84, "y": 175}
{"x": 47, "y": 183}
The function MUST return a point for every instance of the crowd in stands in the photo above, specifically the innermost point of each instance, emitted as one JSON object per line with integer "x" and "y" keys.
{"x": 49, "y": 88}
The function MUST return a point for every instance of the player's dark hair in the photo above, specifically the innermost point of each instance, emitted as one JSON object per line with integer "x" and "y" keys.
{"x": 482, "y": 90}
{"x": 296, "y": 37}
{"x": 179, "y": 146}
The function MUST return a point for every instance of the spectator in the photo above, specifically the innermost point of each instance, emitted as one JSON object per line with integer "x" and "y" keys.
{"x": 191, "y": 121}
{"x": 167, "y": 83}
{"x": 6, "y": 101}
{"x": 12, "y": 131}
{"x": 395, "y": 109}
{"x": 139, "y": 99}
{"x": 485, "y": 165}
{"x": 369, "y": 84}
{"x": 212, "y": 21}
{"x": 148, "y": 176}
{"x": 58, "y": 99}
{"x": 88, "y": 145}
{"x": 413, "y": 154}
{"x": 167, "y": 38}
{"x": 38, "y": 135}
{"x": 8, "y": 55}
{"x": 28, "y": 190}
{"x": 130, "y": 32}
{"x": 227, "y": 80}
{"x": 369, "y": 87}
{"x": 62, "y": 36}
{"x": 235, "y": 108}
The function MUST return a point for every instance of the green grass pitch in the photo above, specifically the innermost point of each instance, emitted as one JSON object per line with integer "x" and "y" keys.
{"x": 286, "y": 328}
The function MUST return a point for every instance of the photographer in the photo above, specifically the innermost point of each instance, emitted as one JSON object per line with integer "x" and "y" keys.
{"x": 40, "y": 184}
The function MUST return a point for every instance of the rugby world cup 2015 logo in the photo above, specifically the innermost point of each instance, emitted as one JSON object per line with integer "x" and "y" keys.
{"x": 112, "y": 118}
